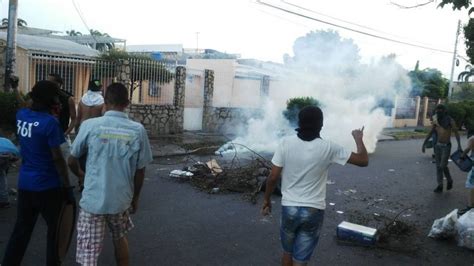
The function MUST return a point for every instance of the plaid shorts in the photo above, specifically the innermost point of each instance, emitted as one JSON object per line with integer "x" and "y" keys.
{"x": 91, "y": 233}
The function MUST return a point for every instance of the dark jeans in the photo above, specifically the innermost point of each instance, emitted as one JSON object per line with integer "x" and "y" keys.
{"x": 442, "y": 152}
{"x": 30, "y": 205}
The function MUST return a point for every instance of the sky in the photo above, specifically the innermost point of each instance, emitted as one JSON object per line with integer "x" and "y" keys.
{"x": 257, "y": 31}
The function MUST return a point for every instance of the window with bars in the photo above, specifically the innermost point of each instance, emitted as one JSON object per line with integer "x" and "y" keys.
{"x": 154, "y": 89}
{"x": 65, "y": 71}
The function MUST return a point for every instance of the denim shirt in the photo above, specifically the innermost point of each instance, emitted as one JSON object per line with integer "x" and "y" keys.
{"x": 116, "y": 147}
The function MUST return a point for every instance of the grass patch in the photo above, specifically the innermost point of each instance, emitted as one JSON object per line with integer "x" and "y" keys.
{"x": 409, "y": 134}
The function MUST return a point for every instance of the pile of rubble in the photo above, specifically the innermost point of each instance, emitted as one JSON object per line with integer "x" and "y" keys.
{"x": 214, "y": 178}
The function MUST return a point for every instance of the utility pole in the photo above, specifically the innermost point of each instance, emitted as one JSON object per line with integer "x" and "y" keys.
{"x": 10, "y": 54}
{"x": 197, "y": 43}
{"x": 451, "y": 83}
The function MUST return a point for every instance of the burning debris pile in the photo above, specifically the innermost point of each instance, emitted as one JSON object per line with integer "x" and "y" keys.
{"x": 248, "y": 179}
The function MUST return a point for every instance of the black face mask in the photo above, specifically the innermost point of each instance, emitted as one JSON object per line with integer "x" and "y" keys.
{"x": 443, "y": 119}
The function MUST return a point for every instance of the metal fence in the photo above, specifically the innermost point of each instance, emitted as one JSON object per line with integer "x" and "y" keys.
{"x": 406, "y": 108}
{"x": 152, "y": 82}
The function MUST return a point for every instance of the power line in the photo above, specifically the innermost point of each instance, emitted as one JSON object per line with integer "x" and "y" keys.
{"x": 83, "y": 20}
{"x": 350, "y": 29}
{"x": 331, "y": 17}
{"x": 342, "y": 20}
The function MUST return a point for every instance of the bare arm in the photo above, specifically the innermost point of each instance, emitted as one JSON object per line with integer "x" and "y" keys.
{"x": 271, "y": 184}
{"x": 60, "y": 165}
{"x": 75, "y": 167}
{"x": 103, "y": 109}
{"x": 78, "y": 119}
{"x": 21, "y": 101}
{"x": 360, "y": 158}
{"x": 137, "y": 184}
{"x": 427, "y": 138}
{"x": 72, "y": 113}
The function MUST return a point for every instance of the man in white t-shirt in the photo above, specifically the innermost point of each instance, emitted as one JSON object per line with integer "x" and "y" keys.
{"x": 302, "y": 161}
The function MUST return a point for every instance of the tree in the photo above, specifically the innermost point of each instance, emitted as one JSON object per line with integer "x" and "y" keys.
{"x": 466, "y": 74}
{"x": 73, "y": 33}
{"x": 468, "y": 28}
{"x": 101, "y": 46}
{"x": 142, "y": 68}
{"x": 428, "y": 82}
{"x": 324, "y": 51}
{"x": 19, "y": 22}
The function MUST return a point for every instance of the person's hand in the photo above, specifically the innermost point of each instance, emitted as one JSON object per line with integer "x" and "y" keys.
{"x": 358, "y": 134}
{"x": 266, "y": 208}
{"x": 68, "y": 194}
{"x": 134, "y": 206}
{"x": 14, "y": 80}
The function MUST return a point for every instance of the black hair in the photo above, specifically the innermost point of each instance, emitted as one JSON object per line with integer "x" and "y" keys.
{"x": 44, "y": 94}
{"x": 310, "y": 123}
{"x": 57, "y": 78}
{"x": 95, "y": 85}
{"x": 116, "y": 94}
{"x": 441, "y": 107}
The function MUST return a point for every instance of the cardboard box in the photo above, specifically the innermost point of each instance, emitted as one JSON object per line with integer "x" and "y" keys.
{"x": 356, "y": 233}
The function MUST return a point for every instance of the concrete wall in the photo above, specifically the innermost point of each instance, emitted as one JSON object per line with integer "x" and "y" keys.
{"x": 157, "y": 119}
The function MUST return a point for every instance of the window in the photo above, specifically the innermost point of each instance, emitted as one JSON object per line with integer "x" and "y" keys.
{"x": 154, "y": 89}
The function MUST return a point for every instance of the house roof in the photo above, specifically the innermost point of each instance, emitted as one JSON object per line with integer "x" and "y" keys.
{"x": 89, "y": 39}
{"x": 51, "y": 45}
{"x": 165, "y": 48}
{"x": 31, "y": 31}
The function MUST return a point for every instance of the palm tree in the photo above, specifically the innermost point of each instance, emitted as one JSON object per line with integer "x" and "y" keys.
{"x": 101, "y": 46}
{"x": 466, "y": 74}
{"x": 73, "y": 33}
{"x": 19, "y": 22}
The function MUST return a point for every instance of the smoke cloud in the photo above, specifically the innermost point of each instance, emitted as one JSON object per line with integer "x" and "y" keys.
{"x": 327, "y": 68}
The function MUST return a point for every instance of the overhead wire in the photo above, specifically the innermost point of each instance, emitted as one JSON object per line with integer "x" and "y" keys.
{"x": 83, "y": 20}
{"x": 351, "y": 29}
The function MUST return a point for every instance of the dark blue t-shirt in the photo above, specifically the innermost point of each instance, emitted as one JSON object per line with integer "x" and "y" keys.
{"x": 38, "y": 133}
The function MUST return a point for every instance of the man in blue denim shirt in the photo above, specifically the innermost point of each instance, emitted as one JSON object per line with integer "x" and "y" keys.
{"x": 118, "y": 152}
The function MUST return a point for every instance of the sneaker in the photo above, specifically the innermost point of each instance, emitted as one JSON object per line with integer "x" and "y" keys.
{"x": 450, "y": 185}
{"x": 463, "y": 211}
{"x": 4, "y": 205}
{"x": 438, "y": 189}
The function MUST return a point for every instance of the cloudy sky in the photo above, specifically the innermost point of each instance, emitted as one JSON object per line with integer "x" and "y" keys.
{"x": 257, "y": 31}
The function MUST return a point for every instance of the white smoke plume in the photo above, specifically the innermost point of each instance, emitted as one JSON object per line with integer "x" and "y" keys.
{"x": 349, "y": 93}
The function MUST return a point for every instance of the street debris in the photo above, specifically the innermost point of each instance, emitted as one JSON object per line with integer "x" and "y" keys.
{"x": 462, "y": 228}
{"x": 392, "y": 234}
{"x": 215, "y": 177}
{"x": 391, "y": 170}
{"x": 356, "y": 233}
{"x": 465, "y": 230}
{"x": 332, "y": 204}
{"x": 181, "y": 174}
{"x": 330, "y": 182}
{"x": 340, "y": 212}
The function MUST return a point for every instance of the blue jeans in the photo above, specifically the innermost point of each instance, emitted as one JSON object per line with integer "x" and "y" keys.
{"x": 299, "y": 231}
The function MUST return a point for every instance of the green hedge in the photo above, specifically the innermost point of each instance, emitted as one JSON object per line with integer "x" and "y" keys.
{"x": 462, "y": 113}
{"x": 294, "y": 105}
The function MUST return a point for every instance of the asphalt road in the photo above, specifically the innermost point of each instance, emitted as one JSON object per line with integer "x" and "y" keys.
{"x": 177, "y": 224}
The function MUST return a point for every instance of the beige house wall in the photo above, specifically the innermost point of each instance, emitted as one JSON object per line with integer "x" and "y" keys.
{"x": 246, "y": 93}
{"x": 224, "y": 71}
